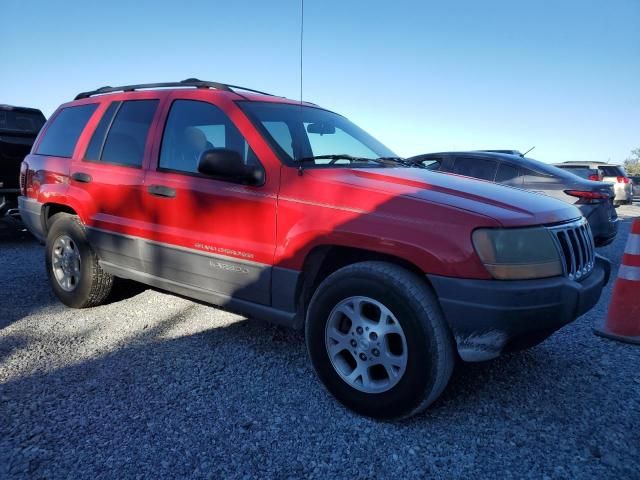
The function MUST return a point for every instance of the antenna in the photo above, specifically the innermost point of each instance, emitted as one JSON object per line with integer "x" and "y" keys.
{"x": 523, "y": 154}
{"x": 301, "y": 38}
{"x": 300, "y": 168}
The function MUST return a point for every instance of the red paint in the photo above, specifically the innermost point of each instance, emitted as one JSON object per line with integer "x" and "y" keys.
{"x": 422, "y": 217}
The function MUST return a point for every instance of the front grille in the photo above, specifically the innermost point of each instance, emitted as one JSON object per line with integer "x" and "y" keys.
{"x": 575, "y": 244}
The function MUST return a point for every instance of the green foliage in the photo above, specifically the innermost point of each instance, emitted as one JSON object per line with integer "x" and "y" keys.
{"x": 632, "y": 164}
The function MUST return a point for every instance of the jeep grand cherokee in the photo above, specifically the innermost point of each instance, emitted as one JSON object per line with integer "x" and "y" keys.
{"x": 289, "y": 212}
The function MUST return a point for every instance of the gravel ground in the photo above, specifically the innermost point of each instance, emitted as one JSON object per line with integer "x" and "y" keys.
{"x": 156, "y": 386}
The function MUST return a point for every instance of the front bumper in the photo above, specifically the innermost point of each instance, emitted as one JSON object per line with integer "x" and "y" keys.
{"x": 488, "y": 317}
{"x": 31, "y": 215}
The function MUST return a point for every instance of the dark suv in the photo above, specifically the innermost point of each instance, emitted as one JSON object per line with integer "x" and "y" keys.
{"x": 291, "y": 213}
{"x": 594, "y": 199}
{"x": 19, "y": 127}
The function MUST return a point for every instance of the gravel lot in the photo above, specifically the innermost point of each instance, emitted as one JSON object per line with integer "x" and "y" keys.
{"x": 155, "y": 386}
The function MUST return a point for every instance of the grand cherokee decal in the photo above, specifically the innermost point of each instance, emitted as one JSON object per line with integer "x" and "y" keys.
{"x": 222, "y": 250}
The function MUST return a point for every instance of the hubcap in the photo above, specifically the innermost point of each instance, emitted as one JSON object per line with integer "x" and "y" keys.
{"x": 366, "y": 344}
{"x": 65, "y": 263}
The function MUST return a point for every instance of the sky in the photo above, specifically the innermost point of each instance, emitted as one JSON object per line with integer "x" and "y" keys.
{"x": 421, "y": 76}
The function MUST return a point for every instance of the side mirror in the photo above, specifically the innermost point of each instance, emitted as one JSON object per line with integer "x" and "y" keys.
{"x": 228, "y": 165}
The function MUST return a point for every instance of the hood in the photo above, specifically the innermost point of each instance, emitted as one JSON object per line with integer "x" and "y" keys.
{"x": 506, "y": 205}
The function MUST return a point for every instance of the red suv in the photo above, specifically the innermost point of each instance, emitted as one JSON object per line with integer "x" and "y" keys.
{"x": 289, "y": 212}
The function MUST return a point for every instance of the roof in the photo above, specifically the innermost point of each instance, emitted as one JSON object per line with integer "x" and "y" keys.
{"x": 576, "y": 163}
{"x": 243, "y": 92}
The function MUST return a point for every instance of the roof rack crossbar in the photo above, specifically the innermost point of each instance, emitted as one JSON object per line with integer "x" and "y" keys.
{"x": 189, "y": 82}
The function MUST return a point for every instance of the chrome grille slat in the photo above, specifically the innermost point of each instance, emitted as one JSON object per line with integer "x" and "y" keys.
{"x": 575, "y": 245}
{"x": 587, "y": 247}
{"x": 580, "y": 260}
{"x": 593, "y": 245}
{"x": 572, "y": 255}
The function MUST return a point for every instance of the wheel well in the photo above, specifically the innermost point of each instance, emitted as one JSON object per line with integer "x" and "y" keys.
{"x": 50, "y": 209}
{"x": 324, "y": 260}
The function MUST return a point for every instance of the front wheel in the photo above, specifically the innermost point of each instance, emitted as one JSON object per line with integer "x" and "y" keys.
{"x": 377, "y": 339}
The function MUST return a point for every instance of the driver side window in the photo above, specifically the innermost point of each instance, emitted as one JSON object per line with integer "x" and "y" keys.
{"x": 193, "y": 127}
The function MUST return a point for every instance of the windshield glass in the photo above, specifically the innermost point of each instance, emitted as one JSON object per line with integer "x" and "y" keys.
{"x": 301, "y": 134}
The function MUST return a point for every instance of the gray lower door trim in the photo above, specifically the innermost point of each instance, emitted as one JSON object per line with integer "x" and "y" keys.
{"x": 243, "y": 307}
{"x": 229, "y": 276}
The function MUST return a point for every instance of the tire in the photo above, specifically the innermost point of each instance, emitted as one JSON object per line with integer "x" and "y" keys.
{"x": 80, "y": 284}
{"x": 379, "y": 290}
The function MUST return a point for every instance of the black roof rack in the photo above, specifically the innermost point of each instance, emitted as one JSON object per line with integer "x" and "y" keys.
{"x": 189, "y": 82}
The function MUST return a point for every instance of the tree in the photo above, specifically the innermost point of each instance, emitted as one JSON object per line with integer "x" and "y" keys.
{"x": 632, "y": 164}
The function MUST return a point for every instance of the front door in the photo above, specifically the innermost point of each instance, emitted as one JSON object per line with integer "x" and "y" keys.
{"x": 208, "y": 233}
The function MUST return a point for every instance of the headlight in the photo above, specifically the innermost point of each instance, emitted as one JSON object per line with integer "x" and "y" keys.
{"x": 517, "y": 253}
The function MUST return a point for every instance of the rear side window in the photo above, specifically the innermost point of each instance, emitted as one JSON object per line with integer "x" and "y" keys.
{"x": 61, "y": 136}
{"x": 506, "y": 172}
{"x": 476, "y": 167}
{"x": 126, "y": 125}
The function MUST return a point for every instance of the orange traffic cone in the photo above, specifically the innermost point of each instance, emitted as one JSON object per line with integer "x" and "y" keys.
{"x": 623, "y": 321}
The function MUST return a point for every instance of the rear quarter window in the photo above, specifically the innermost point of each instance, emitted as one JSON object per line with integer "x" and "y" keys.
{"x": 532, "y": 176}
{"x": 62, "y": 134}
{"x": 507, "y": 173}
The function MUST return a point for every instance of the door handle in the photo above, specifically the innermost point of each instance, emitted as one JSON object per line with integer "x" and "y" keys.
{"x": 81, "y": 177}
{"x": 161, "y": 191}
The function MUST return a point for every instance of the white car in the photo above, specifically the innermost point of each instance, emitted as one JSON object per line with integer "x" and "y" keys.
{"x": 604, "y": 172}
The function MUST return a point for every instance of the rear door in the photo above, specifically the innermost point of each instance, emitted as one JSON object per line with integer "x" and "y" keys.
{"x": 108, "y": 176}
{"x": 208, "y": 233}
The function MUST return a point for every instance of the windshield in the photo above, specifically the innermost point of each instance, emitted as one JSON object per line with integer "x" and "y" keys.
{"x": 303, "y": 134}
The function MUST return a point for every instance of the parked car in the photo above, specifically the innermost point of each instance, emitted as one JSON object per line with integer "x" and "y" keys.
{"x": 635, "y": 183}
{"x": 594, "y": 199}
{"x": 19, "y": 127}
{"x": 604, "y": 172}
{"x": 285, "y": 211}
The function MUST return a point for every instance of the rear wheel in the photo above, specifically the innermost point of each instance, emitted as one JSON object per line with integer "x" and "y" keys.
{"x": 72, "y": 266}
{"x": 377, "y": 340}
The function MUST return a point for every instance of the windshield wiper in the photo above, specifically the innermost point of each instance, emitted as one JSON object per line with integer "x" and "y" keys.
{"x": 403, "y": 161}
{"x": 339, "y": 156}
{"x": 384, "y": 161}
